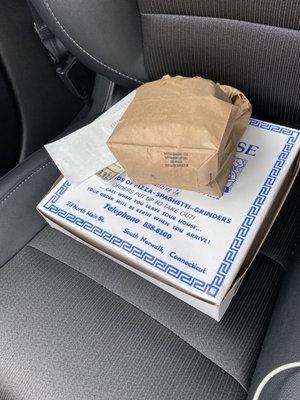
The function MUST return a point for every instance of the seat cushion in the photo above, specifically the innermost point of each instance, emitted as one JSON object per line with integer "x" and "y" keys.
{"x": 222, "y": 41}
{"x": 280, "y": 242}
{"x": 64, "y": 336}
{"x": 282, "y": 342}
{"x": 75, "y": 325}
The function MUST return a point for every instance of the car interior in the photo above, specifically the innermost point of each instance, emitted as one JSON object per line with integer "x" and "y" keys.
{"x": 73, "y": 323}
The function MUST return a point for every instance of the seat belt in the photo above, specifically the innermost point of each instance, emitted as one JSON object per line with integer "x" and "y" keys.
{"x": 76, "y": 77}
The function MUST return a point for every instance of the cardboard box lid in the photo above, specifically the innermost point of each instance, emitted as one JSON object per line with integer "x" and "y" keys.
{"x": 217, "y": 288}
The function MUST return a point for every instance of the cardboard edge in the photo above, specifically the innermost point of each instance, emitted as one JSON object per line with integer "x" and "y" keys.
{"x": 113, "y": 255}
{"x": 211, "y": 310}
{"x": 263, "y": 231}
{"x": 54, "y": 184}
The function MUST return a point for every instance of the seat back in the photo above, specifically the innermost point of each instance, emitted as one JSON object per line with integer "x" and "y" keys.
{"x": 251, "y": 44}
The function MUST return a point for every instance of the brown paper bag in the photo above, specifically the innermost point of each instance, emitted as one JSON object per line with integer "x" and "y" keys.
{"x": 181, "y": 132}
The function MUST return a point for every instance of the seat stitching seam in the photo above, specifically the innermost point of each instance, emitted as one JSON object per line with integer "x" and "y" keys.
{"x": 46, "y": 3}
{"x": 216, "y": 18}
{"x": 136, "y": 307}
{"x": 27, "y": 178}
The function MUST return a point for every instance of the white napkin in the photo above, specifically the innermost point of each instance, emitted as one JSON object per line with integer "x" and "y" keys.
{"x": 84, "y": 152}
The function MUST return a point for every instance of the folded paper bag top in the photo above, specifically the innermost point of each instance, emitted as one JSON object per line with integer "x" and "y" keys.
{"x": 181, "y": 132}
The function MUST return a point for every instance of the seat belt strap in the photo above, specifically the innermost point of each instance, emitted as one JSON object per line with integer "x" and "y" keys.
{"x": 56, "y": 49}
{"x": 76, "y": 77}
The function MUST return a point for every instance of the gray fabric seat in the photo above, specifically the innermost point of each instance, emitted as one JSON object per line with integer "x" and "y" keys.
{"x": 64, "y": 336}
{"x": 75, "y": 325}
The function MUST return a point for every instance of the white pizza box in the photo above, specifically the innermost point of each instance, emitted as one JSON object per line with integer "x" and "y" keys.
{"x": 194, "y": 246}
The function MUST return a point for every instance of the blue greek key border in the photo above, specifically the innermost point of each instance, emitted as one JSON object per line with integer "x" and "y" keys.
{"x": 213, "y": 287}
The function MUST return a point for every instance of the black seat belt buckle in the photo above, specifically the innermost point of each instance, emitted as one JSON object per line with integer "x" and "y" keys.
{"x": 77, "y": 78}
{"x": 65, "y": 71}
